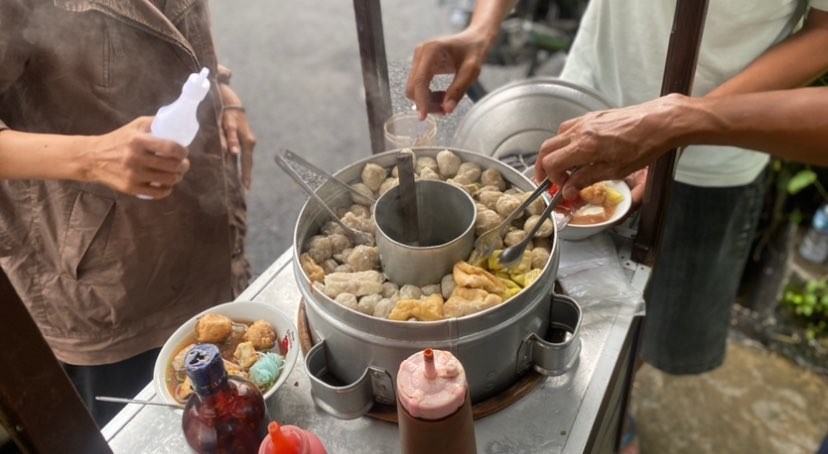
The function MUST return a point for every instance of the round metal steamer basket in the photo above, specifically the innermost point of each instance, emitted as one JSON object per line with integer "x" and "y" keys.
{"x": 363, "y": 353}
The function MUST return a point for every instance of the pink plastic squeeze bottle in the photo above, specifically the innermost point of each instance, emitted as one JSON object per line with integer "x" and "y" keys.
{"x": 433, "y": 405}
{"x": 290, "y": 440}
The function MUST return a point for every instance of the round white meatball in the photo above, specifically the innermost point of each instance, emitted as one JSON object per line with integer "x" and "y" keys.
{"x": 493, "y": 177}
{"x": 373, "y": 175}
{"x": 448, "y": 163}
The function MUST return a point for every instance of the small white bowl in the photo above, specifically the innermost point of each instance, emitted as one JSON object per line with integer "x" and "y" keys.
{"x": 579, "y": 232}
{"x": 237, "y": 310}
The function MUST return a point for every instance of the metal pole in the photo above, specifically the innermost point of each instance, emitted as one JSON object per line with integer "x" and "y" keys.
{"x": 374, "y": 69}
{"x": 679, "y": 69}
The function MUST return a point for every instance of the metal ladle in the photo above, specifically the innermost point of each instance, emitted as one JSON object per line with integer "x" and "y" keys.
{"x": 357, "y": 236}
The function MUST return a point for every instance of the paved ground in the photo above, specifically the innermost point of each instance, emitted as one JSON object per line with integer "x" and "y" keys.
{"x": 757, "y": 402}
{"x": 296, "y": 66}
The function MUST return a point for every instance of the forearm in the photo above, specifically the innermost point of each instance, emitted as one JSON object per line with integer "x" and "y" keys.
{"x": 789, "y": 124}
{"x": 42, "y": 156}
{"x": 487, "y": 17}
{"x": 796, "y": 62}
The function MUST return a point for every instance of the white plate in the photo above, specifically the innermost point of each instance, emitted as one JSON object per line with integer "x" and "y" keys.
{"x": 237, "y": 310}
{"x": 579, "y": 232}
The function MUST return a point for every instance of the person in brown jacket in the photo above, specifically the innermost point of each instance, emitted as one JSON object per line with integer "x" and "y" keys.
{"x": 108, "y": 276}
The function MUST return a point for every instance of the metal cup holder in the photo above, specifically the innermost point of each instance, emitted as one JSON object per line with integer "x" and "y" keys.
{"x": 351, "y": 400}
{"x": 559, "y": 350}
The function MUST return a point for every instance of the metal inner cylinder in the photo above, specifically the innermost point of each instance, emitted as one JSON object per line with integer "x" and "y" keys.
{"x": 446, "y": 217}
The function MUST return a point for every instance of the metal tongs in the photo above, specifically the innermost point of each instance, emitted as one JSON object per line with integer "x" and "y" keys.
{"x": 304, "y": 172}
{"x": 487, "y": 242}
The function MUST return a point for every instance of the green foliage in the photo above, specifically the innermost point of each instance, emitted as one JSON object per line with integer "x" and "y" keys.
{"x": 810, "y": 303}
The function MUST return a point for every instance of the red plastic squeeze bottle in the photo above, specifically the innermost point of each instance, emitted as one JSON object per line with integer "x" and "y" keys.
{"x": 433, "y": 405}
{"x": 290, "y": 440}
{"x": 226, "y": 414}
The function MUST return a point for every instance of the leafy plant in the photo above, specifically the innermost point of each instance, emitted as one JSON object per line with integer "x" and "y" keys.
{"x": 810, "y": 303}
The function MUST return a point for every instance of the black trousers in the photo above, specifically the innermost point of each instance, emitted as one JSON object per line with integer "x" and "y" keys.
{"x": 122, "y": 379}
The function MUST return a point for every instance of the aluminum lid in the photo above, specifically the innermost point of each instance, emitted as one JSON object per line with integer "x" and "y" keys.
{"x": 516, "y": 118}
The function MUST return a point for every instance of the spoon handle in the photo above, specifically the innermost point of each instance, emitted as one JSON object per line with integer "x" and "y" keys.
{"x": 121, "y": 400}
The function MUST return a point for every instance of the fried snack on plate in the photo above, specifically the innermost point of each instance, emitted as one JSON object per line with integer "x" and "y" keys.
{"x": 246, "y": 354}
{"x": 465, "y": 301}
{"x": 426, "y": 310}
{"x": 213, "y": 328}
{"x": 261, "y": 334}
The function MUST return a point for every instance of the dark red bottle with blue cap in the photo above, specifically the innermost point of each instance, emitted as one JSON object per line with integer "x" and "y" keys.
{"x": 225, "y": 414}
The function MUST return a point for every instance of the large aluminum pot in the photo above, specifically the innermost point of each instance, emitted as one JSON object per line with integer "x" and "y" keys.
{"x": 361, "y": 354}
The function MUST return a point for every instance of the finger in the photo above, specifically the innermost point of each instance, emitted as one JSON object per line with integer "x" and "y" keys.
{"x": 154, "y": 178}
{"x": 468, "y": 73}
{"x": 553, "y": 151}
{"x": 142, "y": 124}
{"x": 154, "y": 162}
{"x": 231, "y": 133}
{"x": 160, "y": 147}
{"x": 419, "y": 80}
{"x": 583, "y": 177}
{"x": 148, "y": 191}
{"x": 248, "y": 144}
{"x": 567, "y": 125}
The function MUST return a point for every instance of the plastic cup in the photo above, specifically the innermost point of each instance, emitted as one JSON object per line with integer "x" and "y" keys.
{"x": 405, "y": 129}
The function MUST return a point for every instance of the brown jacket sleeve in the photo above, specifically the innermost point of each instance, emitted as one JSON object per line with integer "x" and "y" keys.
{"x": 13, "y": 55}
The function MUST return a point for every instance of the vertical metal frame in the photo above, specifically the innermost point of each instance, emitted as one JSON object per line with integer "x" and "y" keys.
{"x": 374, "y": 69}
{"x": 679, "y": 70}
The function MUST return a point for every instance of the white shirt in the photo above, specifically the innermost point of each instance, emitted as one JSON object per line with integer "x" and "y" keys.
{"x": 620, "y": 51}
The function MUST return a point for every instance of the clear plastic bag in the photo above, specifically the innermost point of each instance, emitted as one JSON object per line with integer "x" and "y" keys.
{"x": 590, "y": 272}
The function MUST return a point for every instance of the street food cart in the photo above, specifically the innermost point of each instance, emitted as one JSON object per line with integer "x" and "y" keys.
{"x": 577, "y": 411}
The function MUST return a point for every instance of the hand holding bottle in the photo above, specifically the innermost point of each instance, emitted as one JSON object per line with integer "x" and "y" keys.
{"x": 129, "y": 159}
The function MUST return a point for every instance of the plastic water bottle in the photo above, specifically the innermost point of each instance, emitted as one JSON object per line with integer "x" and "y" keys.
{"x": 178, "y": 121}
{"x": 814, "y": 246}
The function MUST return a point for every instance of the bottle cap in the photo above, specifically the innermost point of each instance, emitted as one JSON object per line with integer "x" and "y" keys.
{"x": 431, "y": 384}
{"x": 820, "y": 220}
{"x": 205, "y": 367}
{"x": 197, "y": 85}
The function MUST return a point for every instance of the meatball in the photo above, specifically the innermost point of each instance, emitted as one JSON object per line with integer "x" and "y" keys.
{"x": 506, "y": 205}
{"x": 388, "y": 184}
{"x": 364, "y": 258}
{"x": 486, "y": 220}
{"x": 428, "y": 174}
{"x": 489, "y": 198}
{"x": 546, "y": 229}
{"x": 373, "y": 175}
{"x": 213, "y": 328}
{"x": 494, "y": 178}
{"x": 426, "y": 162}
{"x": 513, "y": 237}
{"x": 362, "y": 188}
{"x": 320, "y": 248}
{"x": 448, "y": 163}
{"x": 348, "y": 300}
{"x": 261, "y": 334}
{"x": 468, "y": 173}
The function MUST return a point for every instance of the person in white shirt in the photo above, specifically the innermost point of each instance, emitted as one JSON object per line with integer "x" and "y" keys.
{"x": 747, "y": 46}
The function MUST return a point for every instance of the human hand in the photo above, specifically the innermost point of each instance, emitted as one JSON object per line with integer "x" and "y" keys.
{"x": 607, "y": 145}
{"x": 236, "y": 131}
{"x": 132, "y": 161}
{"x": 461, "y": 54}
